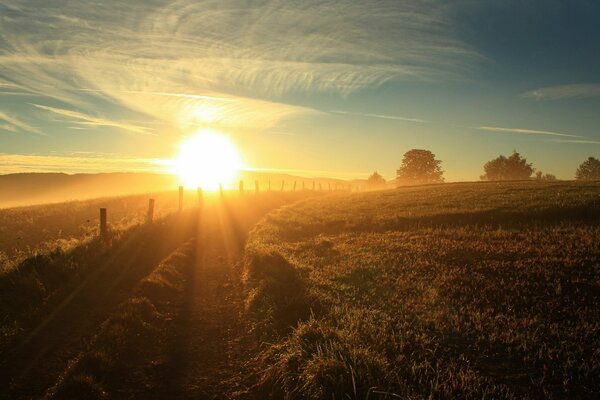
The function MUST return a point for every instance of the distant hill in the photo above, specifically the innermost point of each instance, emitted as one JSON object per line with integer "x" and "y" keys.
{"x": 39, "y": 188}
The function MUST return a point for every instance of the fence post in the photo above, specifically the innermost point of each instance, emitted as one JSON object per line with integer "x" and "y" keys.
{"x": 241, "y": 187}
{"x": 103, "y": 224}
{"x": 313, "y": 186}
{"x": 302, "y": 185}
{"x": 180, "y": 198}
{"x": 269, "y": 185}
{"x": 294, "y": 186}
{"x": 200, "y": 196}
{"x": 320, "y": 187}
{"x": 221, "y": 190}
{"x": 282, "y": 184}
{"x": 150, "y": 215}
{"x": 256, "y": 188}
{"x": 329, "y": 186}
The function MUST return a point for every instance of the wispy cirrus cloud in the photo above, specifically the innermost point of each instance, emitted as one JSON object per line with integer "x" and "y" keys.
{"x": 76, "y": 163}
{"x": 89, "y": 120}
{"x": 524, "y": 131}
{"x": 13, "y": 124}
{"x": 577, "y": 91}
{"x": 380, "y": 116}
{"x": 574, "y": 141}
{"x": 169, "y": 60}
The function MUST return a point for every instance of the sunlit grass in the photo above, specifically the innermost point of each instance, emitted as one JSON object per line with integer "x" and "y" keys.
{"x": 470, "y": 291}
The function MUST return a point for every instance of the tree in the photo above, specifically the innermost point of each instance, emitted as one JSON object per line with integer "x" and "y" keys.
{"x": 504, "y": 168}
{"x": 589, "y": 170}
{"x": 540, "y": 176}
{"x": 419, "y": 167}
{"x": 375, "y": 180}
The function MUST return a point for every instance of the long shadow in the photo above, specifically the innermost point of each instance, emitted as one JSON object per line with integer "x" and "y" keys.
{"x": 224, "y": 226}
{"x": 71, "y": 316}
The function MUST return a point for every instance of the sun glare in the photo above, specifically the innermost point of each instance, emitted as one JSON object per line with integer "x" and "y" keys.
{"x": 206, "y": 160}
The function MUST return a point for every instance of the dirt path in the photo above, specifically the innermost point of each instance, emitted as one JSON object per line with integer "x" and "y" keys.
{"x": 208, "y": 348}
{"x": 211, "y": 348}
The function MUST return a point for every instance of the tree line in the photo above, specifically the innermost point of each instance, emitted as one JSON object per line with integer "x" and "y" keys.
{"x": 421, "y": 167}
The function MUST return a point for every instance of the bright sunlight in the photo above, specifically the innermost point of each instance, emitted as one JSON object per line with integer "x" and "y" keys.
{"x": 207, "y": 159}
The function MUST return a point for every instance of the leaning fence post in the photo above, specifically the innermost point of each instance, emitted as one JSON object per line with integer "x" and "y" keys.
{"x": 180, "y": 198}
{"x": 256, "y": 188}
{"x": 150, "y": 215}
{"x": 103, "y": 224}
{"x": 200, "y": 196}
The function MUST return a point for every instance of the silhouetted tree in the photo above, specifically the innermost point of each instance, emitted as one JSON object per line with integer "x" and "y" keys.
{"x": 419, "y": 166}
{"x": 589, "y": 170}
{"x": 375, "y": 179}
{"x": 504, "y": 168}
{"x": 540, "y": 176}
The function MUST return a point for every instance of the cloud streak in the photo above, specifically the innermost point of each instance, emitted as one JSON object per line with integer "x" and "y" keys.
{"x": 17, "y": 163}
{"x": 575, "y": 141}
{"x": 578, "y": 91}
{"x": 524, "y": 131}
{"x": 84, "y": 119}
{"x": 13, "y": 124}
{"x": 169, "y": 60}
{"x": 380, "y": 116}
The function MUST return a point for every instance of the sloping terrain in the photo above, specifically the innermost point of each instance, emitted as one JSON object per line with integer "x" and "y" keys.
{"x": 450, "y": 291}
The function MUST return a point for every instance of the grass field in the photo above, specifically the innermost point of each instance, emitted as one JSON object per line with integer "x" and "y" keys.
{"x": 478, "y": 290}
{"x": 89, "y": 320}
{"x": 26, "y": 231}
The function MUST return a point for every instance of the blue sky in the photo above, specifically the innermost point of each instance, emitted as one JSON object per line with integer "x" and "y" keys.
{"x": 337, "y": 88}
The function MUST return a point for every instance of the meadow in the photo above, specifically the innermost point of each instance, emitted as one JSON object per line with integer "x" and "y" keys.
{"x": 89, "y": 319}
{"x": 467, "y": 290}
{"x": 26, "y": 231}
{"x": 475, "y": 290}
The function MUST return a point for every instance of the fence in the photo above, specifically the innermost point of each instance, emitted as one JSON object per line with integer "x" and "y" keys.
{"x": 104, "y": 226}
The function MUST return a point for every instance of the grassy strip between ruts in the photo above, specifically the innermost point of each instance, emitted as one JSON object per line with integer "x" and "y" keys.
{"x": 34, "y": 288}
{"x": 451, "y": 291}
{"x": 134, "y": 333}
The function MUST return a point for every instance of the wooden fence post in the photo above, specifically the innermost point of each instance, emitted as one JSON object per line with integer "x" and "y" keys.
{"x": 256, "y": 187}
{"x": 294, "y": 186}
{"x": 313, "y": 186}
{"x": 302, "y": 185}
{"x": 180, "y": 198}
{"x": 150, "y": 215}
{"x": 320, "y": 187}
{"x": 269, "y": 185}
{"x": 200, "y": 196}
{"x": 241, "y": 187}
{"x": 282, "y": 184}
{"x": 329, "y": 186}
{"x": 103, "y": 224}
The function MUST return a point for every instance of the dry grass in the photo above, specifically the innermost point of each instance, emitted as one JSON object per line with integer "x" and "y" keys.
{"x": 450, "y": 291}
{"x": 27, "y": 231}
{"x": 130, "y": 336}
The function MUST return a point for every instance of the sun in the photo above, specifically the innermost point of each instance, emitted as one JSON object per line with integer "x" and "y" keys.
{"x": 206, "y": 160}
